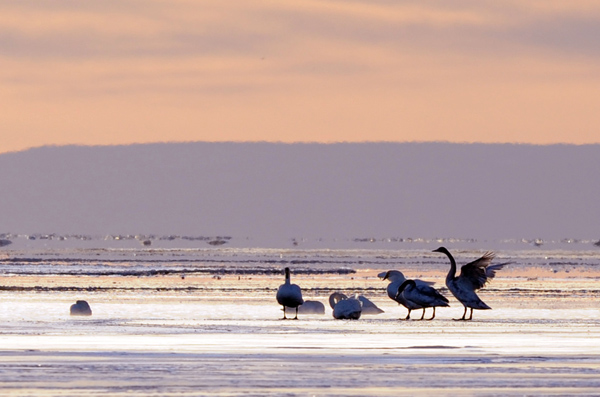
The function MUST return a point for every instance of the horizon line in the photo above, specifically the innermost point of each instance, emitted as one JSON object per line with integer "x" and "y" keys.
{"x": 326, "y": 143}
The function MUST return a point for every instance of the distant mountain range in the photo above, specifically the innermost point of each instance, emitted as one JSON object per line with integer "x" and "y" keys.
{"x": 280, "y": 192}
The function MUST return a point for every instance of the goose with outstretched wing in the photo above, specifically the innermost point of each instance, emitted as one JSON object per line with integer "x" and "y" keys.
{"x": 473, "y": 276}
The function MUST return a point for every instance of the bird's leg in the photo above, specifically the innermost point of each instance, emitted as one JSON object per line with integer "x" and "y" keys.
{"x": 284, "y": 317}
{"x": 471, "y": 316}
{"x": 463, "y": 317}
{"x": 408, "y": 315}
{"x": 432, "y": 317}
{"x": 423, "y": 315}
{"x": 296, "y": 318}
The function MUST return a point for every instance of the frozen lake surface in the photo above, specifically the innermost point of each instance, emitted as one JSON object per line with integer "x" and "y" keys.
{"x": 178, "y": 322}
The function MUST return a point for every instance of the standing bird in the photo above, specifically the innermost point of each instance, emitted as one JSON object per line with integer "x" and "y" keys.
{"x": 289, "y": 295}
{"x": 345, "y": 308}
{"x": 396, "y": 279}
{"x": 473, "y": 276}
{"x": 423, "y": 295}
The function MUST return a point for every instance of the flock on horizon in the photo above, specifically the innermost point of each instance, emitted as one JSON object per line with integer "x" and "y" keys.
{"x": 412, "y": 294}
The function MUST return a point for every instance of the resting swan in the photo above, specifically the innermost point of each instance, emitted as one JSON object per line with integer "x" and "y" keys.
{"x": 368, "y": 307}
{"x": 345, "y": 308}
{"x": 311, "y": 307}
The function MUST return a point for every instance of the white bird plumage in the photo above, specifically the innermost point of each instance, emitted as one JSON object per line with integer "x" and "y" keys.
{"x": 310, "y": 307}
{"x": 345, "y": 308}
{"x": 396, "y": 278}
{"x": 422, "y": 295}
{"x": 368, "y": 307}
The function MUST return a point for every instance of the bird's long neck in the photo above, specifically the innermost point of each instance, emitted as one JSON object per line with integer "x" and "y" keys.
{"x": 287, "y": 276}
{"x": 332, "y": 300}
{"x": 452, "y": 272}
{"x": 403, "y": 286}
{"x": 335, "y": 298}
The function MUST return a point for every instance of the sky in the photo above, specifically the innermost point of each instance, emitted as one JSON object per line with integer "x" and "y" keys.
{"x": 120, "y": 72}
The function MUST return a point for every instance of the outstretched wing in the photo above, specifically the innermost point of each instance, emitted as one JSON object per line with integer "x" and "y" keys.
{"x": 477, "y": 273}
{"x": 490, "y": 271}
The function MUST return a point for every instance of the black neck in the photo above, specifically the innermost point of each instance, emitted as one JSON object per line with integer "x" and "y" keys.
{"x": 452, "y": 272}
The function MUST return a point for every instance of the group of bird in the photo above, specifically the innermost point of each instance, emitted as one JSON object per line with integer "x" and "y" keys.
{"x": 412, "y": 294}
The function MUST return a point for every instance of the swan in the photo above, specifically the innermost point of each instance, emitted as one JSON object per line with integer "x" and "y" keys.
{"x": 368, "y": 307}
{"x": 473, "y": 276}
{"x": 289, "y": 295}
{"x": 423, "y": 295}
{"x": 311, "y": 307}
{"x": 80, "y": 308}
{"x": 396, "y": 279}
{"x": 344, "y": 307}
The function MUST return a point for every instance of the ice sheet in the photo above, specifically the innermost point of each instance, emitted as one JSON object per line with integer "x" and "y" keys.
{"x": 166, "y": 335}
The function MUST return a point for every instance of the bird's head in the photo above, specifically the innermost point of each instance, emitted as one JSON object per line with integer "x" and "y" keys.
{"x": 393, "y": 275}
{"x": 441, "y": 249}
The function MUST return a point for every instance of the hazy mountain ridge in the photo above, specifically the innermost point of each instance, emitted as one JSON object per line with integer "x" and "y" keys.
{"x": 279, "y": 191}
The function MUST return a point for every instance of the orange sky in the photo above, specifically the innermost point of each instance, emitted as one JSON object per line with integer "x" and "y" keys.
{"x": 119, "y": 72}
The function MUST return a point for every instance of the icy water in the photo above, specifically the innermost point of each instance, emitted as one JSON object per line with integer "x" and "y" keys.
{"x": 173, "y": 321}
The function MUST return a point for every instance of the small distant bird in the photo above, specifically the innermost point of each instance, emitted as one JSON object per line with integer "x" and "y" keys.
{"x": 368, "y": 307}
{"x": 345, "y": 308}
{"x": 473, "y": 276}
{"x": 81, "y": 308}
{"x": 289, "y": 295}
{"x": 423, "y": 295}
{"x": 396, "y": 279}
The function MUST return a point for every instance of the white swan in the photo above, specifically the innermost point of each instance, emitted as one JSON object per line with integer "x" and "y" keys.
{"x": 423, "y": 295}
{"x": 368, "y": 307}
{"x": 473, "y": 276}
{"x": 289, "y": 295}
{"x": 311, "y": 307}
{"x": 345, "y": 308}
{"x": 396, "y": 279}
{"x": 80, "y": 308}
